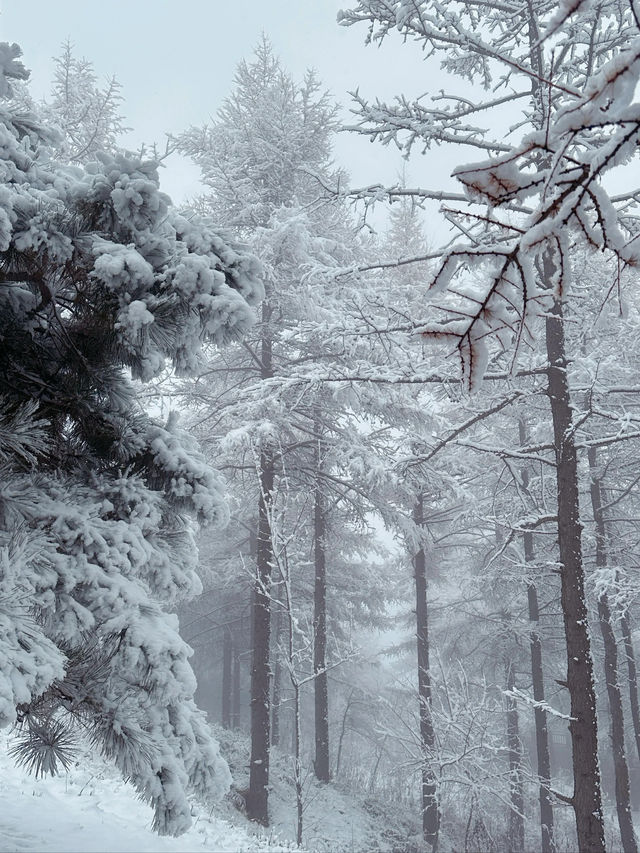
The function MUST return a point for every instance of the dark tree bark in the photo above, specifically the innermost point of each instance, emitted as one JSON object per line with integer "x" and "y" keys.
{"x": 257, "y": 800}
{"x": 514, "y": 750}
{"x": 583, "y": 727}
{"x": 429, "y": 793}
{"x": 537, "y": 679}
{"x": 226, "y": 677}
{"x": 621, "y": 770}
{"x": 321, "y": 697}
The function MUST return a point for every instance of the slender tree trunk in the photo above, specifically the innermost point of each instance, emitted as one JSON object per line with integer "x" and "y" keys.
{"x": 621, "y": 770}
{"x": 537, "y": 679}
{"x": 542, "y": 733}
{"x": 258, "y": 795}
{"x": 257, "y": 800}
{"x": 429, "y": 794}
{"x": 235, "y": 704}
{"x": 226, "y": 677}
{"x": 374, "y": 771}
{"x": 292, "y": 731}
{"x": 587, "y": 796}
{"x": 632, "y": 673}
{"x": 297, "y": 721}
{"x": 514, "y": 750}
{"x": 277, "y": 680}
{"x": 343, "y": 728}
{"x": 321, "y": 763}
{"x": 298, "y": 766}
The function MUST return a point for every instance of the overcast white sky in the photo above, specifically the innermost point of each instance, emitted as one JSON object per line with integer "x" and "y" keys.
{"x": 175, "y": 60}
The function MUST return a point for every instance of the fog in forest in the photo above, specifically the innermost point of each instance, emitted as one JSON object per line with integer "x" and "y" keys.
{"x": 319, "y": 426}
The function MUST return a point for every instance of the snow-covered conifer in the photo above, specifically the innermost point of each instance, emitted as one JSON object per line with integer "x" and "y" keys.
{"x": 88, "y": 115}
{"x": 101, "y": 281}
{"x": 267, "y": 159}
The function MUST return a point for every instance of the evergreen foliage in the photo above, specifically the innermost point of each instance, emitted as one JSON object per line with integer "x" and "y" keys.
{"x": 102, "y": 283}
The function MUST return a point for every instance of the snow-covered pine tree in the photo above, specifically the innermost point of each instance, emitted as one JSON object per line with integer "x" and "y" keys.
{"x": 102, "y": 282}
{"x": 266, "y": 159}
{"x": 251, "y": 160}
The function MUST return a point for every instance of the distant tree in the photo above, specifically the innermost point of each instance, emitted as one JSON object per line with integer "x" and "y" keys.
{"x": 265, "y": 159}
{"x": 88, "y": 115}
{"x": 100, "y": 281}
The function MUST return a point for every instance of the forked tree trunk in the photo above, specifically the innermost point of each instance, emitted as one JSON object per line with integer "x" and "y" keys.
{"x": 321, "y": 697}
{"x": 514, "y": 750}
{"x": 257, "y": 800}
{"x": 621, "y": 770}
{"x": 583, "y": 727}
{"x": 226, "y": 677}
{"x": 537, "y": 678}
{"x": 429, "y": 792}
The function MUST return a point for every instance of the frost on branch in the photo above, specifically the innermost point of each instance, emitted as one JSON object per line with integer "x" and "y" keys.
{"x": 564, "y": 178}
{"x": 572, "y": 77}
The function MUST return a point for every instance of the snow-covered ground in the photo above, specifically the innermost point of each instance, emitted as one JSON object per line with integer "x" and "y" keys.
{"x": 91, "y": 809}
{"x": 335, "y": 820}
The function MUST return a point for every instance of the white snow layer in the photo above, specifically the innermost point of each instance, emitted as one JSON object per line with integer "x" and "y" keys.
{"x": 91, "y": 809}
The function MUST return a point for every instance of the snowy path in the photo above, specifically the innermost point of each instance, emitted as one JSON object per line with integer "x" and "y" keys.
{"x": 91, "y": 810}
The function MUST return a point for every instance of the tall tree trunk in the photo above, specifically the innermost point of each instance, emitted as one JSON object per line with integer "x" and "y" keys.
{"x": 429, "y": 793}
{"x": 226, "y": 677}
{"x": 621, "y": 770}
{"x": 537, "y": 679}
{"x": 514, "y": 750}
{"x": 257, "y": 799}
{"x": 632, "y": 673}
{"x": 587, "y": 795}
{"x": 321, "y": 698}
